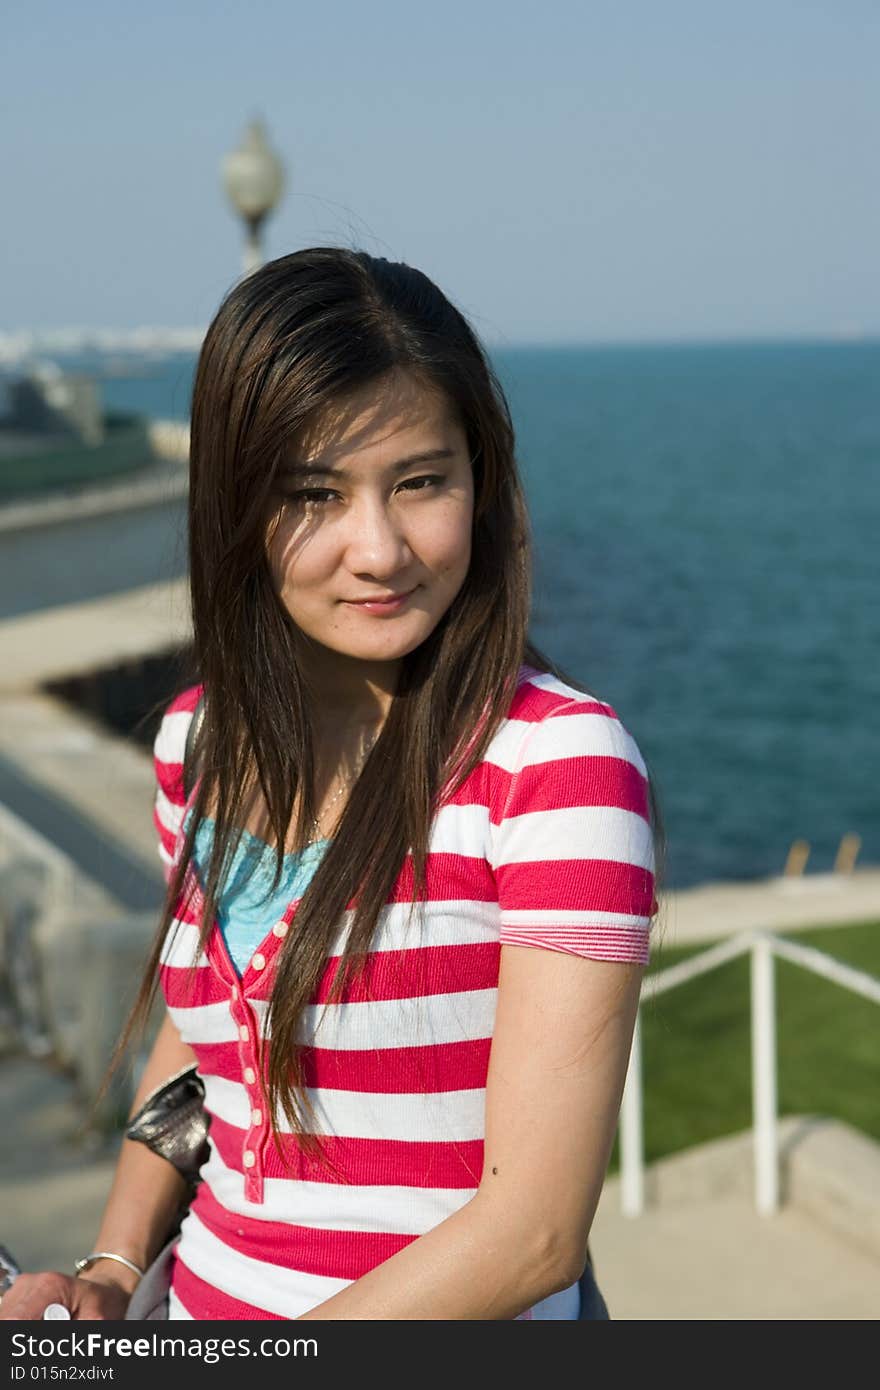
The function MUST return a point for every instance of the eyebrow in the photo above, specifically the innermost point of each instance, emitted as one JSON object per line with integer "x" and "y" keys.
{"x": 316, "y": 469}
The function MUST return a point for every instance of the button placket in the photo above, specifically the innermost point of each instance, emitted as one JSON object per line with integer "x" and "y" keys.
{"x": 248, "y": 1036}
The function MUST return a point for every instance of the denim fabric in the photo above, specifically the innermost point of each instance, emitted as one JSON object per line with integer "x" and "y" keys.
{"x": 593, "y": 1305}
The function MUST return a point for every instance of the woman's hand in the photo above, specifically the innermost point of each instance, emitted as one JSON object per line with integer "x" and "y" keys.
{"x": 86, "y": 1296}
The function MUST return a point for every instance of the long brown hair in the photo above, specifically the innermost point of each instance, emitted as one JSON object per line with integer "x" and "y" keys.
{"x": 289, "y": 343}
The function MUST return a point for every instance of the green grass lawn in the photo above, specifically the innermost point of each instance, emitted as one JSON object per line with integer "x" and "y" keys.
{"x": 696, "y": 1050}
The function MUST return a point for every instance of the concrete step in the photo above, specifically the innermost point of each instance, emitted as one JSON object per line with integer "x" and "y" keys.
{"x": 86, "y": 790}
{"x": 718, "y": 1259}
{"x": 62, "y": 641}
{"x": 701, "y": 1250}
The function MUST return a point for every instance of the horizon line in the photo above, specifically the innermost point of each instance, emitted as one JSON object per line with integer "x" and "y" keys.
{"x": 18, "y": 343}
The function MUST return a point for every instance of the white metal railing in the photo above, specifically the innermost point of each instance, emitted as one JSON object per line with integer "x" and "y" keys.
{"x": 762, "y": 946}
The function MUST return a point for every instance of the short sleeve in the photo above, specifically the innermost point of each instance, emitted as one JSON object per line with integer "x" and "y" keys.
{"x": 574, "y": 849}
{"x": 168, "y": 751}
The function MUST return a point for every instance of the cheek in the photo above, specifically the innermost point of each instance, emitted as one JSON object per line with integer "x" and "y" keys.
{"x": 448, "y": 541}
{"x": 297, "y": 558}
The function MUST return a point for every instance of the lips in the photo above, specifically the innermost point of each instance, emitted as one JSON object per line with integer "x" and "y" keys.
{"x": 382, "y": 607}
{"x": 383, "y": 598}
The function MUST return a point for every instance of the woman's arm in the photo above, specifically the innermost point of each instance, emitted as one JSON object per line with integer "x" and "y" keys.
{"x": 143, "y": 1201}
{"x": 563, "y": 1031}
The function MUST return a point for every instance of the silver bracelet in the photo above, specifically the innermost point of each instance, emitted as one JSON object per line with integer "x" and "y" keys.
{"x": 96, "y": 1255}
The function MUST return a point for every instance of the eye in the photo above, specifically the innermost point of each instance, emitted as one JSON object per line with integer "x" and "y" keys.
{"x": 422, "y": 483}
{"x": 310, "y": 494}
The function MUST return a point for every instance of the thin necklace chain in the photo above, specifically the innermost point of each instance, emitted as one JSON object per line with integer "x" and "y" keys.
{"x": 345, "y": 783}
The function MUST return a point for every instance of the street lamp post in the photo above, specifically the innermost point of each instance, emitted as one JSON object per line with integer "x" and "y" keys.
{"x": 253, "y": 176}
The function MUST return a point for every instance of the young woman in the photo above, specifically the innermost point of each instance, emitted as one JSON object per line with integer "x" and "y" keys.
{"x": 410, "y": 894}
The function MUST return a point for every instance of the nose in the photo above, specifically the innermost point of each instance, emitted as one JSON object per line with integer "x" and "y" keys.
{"x": 377, "y": 544}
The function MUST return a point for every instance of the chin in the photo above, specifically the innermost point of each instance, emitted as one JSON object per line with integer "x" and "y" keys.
{"x": 391, "y": 648}
{"x": 388, "y": 652}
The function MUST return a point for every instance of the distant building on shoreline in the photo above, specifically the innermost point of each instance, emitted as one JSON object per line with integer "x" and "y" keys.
{"x": 51, "y": 403}
{"x": 54, "y": 433}
{"x": 20, "y": 346}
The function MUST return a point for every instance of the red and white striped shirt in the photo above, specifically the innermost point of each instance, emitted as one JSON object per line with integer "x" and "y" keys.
{"x": 547, "y": 844}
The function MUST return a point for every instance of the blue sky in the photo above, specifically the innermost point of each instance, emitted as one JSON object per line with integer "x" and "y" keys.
{"x": 623, "y": 170}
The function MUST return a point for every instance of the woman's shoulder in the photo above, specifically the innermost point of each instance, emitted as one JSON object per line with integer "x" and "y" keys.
{"x": 541, "y": 694}
{"x": 549, "y": 719}
{"x": 170, "y": 742}
{"x": 571, "y": 829}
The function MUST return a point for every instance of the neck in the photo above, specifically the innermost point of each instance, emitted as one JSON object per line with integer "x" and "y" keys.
{"x": 348, "y": 694}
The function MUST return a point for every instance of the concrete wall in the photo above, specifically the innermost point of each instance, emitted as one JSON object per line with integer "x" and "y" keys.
{"x": 70, "y": 963}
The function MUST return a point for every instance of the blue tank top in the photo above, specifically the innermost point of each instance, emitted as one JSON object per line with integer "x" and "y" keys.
{"x": 246, "y": 907}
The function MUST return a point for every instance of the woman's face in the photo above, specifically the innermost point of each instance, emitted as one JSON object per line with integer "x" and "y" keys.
{"x": 376, "y": 504}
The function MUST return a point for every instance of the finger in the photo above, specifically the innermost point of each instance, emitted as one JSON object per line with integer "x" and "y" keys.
{"x": 31, "y": 1293}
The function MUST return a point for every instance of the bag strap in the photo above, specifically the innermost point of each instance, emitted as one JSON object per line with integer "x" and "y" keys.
{"x": 189, "y": 754}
